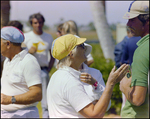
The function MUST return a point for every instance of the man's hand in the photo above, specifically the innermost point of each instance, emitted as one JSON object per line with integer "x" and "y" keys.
{"x": 125, "y": 83}
{"x": 5, "y": 99}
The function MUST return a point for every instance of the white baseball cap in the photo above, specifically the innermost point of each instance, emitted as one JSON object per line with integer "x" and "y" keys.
{"x": 136, "y": 8}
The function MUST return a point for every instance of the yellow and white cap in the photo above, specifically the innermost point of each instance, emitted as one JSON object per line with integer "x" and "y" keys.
{"x": 136, "y": 8}
{"x": 62, "y": 46}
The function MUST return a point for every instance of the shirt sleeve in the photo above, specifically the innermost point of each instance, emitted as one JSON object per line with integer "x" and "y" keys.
{"x": 140, "y": 67}
{"x": 32, "y": 71}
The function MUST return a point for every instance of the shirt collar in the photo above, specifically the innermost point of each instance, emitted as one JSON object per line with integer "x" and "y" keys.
{"x": 142, "y": 40}
{"x": 72, "y": 71}
{"x": 19, "y": 55}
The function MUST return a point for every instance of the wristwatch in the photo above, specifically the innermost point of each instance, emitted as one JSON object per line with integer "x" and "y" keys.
{"x": 13, "y": 99}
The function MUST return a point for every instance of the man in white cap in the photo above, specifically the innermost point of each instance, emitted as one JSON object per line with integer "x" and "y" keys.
{"x": 136, "y": 87}
{"x": 21, "y": 88}
{"x": 66, "y": 95}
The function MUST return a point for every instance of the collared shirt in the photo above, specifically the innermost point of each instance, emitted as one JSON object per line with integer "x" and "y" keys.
{"x": 140, "y": 68}
{"x": 18, "y": 75}
{"x": 66, "y": 94}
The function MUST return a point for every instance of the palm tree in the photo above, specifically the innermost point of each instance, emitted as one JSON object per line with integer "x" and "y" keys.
{"x": 5, "y": 12}
{"x": 102, "y": 28}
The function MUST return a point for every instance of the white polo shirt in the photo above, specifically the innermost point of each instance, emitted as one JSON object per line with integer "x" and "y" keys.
{"x": 66, "y": 95}
{"x": 18, "y": 75}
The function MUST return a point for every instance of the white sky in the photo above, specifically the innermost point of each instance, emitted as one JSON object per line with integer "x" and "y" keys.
{"x": 79, "y": 11}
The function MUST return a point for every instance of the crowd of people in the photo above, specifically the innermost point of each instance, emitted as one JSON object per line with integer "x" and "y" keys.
{"x": 75, "y": 90}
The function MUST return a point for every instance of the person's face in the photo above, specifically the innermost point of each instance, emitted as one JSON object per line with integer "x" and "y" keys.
{"x": 80, "y": 53}
{"x": 37, "y": 25}
{"x": 58, "y": 33}
{"x": 136, "y": 26}
{"x": 3, "y": 47}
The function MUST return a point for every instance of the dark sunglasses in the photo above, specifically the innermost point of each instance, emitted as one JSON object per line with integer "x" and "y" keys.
{"x": 82, "y": 45}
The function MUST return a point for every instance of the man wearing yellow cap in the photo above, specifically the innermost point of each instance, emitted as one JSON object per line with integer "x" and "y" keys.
{"x": 136, "y": 88}
{"x": 66, "y": 95}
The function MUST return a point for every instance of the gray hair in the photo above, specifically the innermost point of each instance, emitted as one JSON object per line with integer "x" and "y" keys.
{"x": 65, "y": 61}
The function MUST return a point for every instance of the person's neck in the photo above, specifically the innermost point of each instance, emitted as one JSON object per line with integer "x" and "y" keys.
{"x": 38, "y": 33}
{"x": 75, "y": 65}
{"x": 13, "y": 52}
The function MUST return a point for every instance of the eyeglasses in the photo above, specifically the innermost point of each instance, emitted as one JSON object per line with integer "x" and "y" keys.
{"x": 82, "y": 45}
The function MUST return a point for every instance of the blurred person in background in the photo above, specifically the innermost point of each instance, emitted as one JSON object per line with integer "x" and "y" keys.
{"x": 39, "y": 44}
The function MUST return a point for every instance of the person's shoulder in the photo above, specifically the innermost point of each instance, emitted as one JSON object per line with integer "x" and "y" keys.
{"x": 28, "y": 33}
{"x": 47, "y": 34}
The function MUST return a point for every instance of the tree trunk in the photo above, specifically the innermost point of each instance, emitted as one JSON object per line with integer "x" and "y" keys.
{"x": 102, "y": 28}
{"x": 5, "y": 12}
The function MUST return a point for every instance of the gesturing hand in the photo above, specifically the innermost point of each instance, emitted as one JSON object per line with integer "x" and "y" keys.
{"x": 116, "y": 76}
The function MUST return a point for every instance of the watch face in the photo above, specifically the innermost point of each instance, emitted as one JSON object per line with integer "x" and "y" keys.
{"x": 13, "y": 100}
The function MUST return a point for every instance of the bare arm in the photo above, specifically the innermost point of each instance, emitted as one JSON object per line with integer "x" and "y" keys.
{"x": 135, "y": 94}
{"x": 33, "y": 95}
{"x": 99, "y": 109}
{"x": 32, "y": 50}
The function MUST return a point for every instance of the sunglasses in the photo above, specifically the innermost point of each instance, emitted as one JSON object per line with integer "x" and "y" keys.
{"x": 82, "y": 45}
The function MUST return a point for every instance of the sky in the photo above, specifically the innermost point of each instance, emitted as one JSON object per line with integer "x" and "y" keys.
{"x": 79, "y": 11}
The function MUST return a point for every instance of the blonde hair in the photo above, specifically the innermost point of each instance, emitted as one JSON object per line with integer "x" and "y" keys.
{"x": 70, "y": 27}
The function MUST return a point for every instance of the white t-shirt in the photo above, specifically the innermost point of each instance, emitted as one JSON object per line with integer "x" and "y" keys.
{"x": 18, "y": 75}
{"x": 44, "y": 45}
{"x": 66, "y": 95}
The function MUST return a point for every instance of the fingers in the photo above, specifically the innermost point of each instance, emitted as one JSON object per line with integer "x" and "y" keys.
{"x": 123, "y": 66}
{"x": 113, "y": 69}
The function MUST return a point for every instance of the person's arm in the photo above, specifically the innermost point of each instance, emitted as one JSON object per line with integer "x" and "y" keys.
{"x": 135, "y": 94}
{"x": 33, "y": 95}
{"x": 99, "y": 109}
{"x": 32, "y": 50}
{"x": 51, "y": 63}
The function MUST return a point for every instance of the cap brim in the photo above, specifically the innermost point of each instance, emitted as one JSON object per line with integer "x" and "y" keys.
{"x": 129, "y": 15}
{"x": 88, "y": 49}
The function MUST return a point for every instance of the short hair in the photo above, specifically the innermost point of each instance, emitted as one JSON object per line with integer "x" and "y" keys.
{"x": 16, "y": 24}
{"x": 38, "y": 16}
{"x": 70, "y": 27}
{"x": 143, "y": 18}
